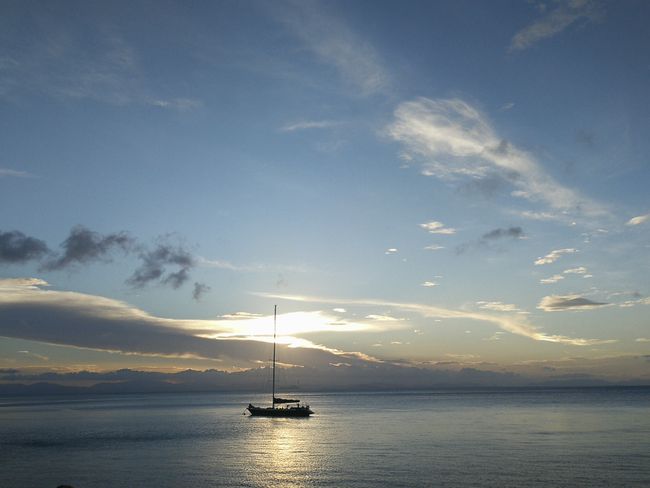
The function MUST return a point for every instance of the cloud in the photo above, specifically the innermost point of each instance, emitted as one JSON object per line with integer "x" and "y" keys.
{"x": 433, "y": 247}
{"x": 34, "y": 355}
{"x": 383, "y": 318}
{"x": 22, "y": 282}
{"x": 554, "y": 22}
{"x": 540, "y": 216}
{"x": 514, "y": 323}
{"x": 555, "y": 303}
{"x": 179, "y": 104}
{"x": 511, "y": 232}
{"x": 638, "y": 220}
{"x": 84, "y": 246}
{"x": 553, "y": 279}
{"x": 199, "y": 290}
{"x": 454, "y": 141}
{"x": 336, "y": 44}
{"x": 633, "y": 303}
{"x": 429, "y": 284}
{"x": 554, "y": 256}
{"x": 16, "y": 247}
{"x": 6, "y": 172}
{"x": 94, "y": 322}
{"x": 490, "y": 237}
{"x": 155, "y": 263}
{"x": 499, "y": 307}
{"x": 313, "y": 124}
{"x": 641, "y": 339}
{"x": 84, "y": 58}
{"x": 279, "y": 268}
{"x": 581, "y": 270}
{"x": 435, "y": 227}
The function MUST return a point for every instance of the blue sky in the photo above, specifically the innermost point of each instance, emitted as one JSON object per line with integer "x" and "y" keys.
{"x": 444, "y": 185}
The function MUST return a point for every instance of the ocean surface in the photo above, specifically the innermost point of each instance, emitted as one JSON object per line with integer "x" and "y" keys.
{"x": 592, "y": 437}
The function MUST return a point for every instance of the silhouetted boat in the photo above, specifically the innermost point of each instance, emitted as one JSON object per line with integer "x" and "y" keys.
{"x": 290, "y": 407}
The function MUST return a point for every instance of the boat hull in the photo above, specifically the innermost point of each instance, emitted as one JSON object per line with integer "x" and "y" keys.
{"x": 301, "y": 411}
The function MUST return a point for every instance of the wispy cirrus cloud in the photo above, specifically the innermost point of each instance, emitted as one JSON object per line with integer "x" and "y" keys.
{"x": 453, "y": 140}
{"x": 180, "y": 104}
{"x": 554, "y": 256}
{"x": 91, "y": 60}
{"x": 557, "y": 303}
{"x": 309, "y": 124}
{"x": 251, "y": 268}
{"x": 12, "y": 173}
{"x": 553, "y": 22}
{"x": 336, "y": 44}
{"x": 518, "y": 323}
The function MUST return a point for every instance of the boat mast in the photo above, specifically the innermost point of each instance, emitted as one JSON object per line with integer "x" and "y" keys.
{"x": 275, "y": 312}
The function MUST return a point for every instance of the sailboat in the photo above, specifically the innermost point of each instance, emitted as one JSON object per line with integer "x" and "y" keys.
{"x": 289, "y": 407}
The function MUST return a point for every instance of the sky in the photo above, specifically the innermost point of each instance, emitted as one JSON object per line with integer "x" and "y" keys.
{"x": 438, "y": 185}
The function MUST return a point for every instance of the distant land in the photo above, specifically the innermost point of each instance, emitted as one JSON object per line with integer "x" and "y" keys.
{"x": 376, "y": 378}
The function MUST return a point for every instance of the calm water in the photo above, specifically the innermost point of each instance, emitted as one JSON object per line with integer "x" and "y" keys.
{"x": 572, "y": 438}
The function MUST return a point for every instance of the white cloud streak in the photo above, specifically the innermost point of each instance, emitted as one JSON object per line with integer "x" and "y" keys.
{"x": 554, "y": 22}
{"x": 6, "y": 172}
{"x": 309, "y": 124}
{"x": 453, "y": 140}
{"x": 516, "y": 324}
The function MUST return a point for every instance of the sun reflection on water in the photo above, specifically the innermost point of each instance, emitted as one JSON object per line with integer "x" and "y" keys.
{"x": 282, "y": 454}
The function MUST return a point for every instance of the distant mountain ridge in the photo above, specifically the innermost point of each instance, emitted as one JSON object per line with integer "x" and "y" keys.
{"x": 334, "y": 378}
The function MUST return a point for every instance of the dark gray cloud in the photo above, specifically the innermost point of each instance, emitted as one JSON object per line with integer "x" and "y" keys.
{"x": 155, "y": 264}
{"x": 555, "y": 303}
{"x": 512, "y": 232}
{"x": 199, "y": 290}
{"x": 490, "y": 237}
{"x": 84, "y": 246}
{"x": 16, "y": 247}
{"x": 167, "y": 263}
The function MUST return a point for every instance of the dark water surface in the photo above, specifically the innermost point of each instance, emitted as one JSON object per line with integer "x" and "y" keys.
{"x": 526, "y": 438}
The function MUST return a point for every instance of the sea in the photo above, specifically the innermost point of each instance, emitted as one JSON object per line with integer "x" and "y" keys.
{"x": 563, "y": 437}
